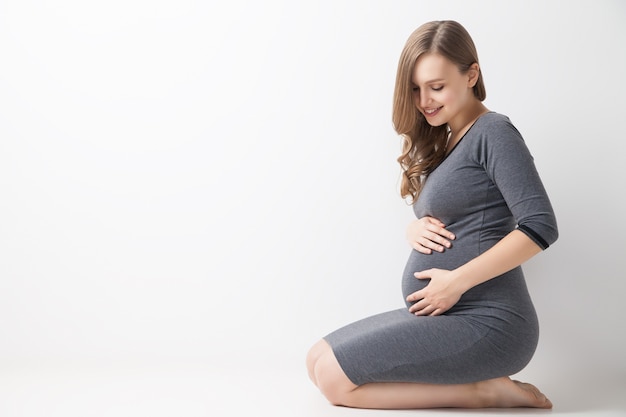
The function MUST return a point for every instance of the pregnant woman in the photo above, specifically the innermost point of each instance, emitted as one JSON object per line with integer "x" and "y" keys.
{"x": 482, "y": 210}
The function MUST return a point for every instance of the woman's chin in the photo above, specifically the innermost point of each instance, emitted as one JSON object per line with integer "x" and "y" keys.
{"x": 433, "y": 123}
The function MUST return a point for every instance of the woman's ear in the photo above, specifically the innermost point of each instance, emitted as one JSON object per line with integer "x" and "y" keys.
{"x": 473, "y": 73}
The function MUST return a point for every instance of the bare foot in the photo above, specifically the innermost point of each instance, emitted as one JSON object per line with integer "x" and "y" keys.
{"x": 507, "y": 393}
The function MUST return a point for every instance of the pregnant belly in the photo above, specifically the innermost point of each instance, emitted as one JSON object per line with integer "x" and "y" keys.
{"x": 449, "y": 259}
{"x": 508, "y": 290}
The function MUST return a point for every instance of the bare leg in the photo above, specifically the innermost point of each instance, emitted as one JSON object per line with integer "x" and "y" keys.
{"x": 319, "y": 349}
{"x": 339, "y": 390}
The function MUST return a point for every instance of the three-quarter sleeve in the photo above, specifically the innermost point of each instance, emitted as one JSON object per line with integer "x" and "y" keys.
{"x": 510, "y": 166}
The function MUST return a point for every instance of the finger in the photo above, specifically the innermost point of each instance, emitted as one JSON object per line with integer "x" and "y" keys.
{"x": 423, "y": 274}
{"x": 416, "y": 296}
{"x": 439, "y": 229}
{"x": 440, "y": 236}
{"x": 417, "y": 307}
{"x": 420, "y": 248}
{"x": 434, "y": 241}
{"x": 445, "y": 233}
{"x": 429, "y": 244}
{"x": 435, "y": 221}
{"x": 437, "y": 243}
{"x": 426, "y": 311}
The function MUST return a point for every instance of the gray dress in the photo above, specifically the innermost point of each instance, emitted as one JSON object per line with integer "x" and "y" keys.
{"x": 485, "y": 188}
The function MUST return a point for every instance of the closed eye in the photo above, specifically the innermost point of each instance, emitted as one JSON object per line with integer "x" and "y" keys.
{"x": 417, "y": 89}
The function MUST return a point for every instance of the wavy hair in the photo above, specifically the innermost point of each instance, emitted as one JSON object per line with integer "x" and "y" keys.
{"x": 423, "y": 145}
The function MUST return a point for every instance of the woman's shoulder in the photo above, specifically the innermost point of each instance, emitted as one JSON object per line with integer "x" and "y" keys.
{"x": 495, "y": 134}
{"x": 496, "y": 124}
{"x": 492, "y": 118}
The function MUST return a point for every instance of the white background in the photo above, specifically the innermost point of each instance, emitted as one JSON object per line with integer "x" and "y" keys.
{"x": 215, "y": 184}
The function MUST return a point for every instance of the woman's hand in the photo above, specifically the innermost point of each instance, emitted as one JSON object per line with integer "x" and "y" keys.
{"x": 428, "y": 234}
{"x": 441, "y": 293}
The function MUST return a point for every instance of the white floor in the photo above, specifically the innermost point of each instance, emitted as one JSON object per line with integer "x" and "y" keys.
{"x": 195, "y": 389}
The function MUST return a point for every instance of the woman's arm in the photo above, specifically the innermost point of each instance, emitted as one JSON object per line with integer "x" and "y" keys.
{"x": 510, "y": 252}
{"x": 446, "y": 287}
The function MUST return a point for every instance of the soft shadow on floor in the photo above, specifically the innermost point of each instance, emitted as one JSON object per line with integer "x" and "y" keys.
{"x": 583, "y": 393}
{"x": 589, "y": 392}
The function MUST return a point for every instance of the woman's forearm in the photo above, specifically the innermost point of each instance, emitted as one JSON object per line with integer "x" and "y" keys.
{"x": 513, "y": 250}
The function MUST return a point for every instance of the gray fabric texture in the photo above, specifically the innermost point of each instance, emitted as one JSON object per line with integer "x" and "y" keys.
{"x": 485, "y": 188}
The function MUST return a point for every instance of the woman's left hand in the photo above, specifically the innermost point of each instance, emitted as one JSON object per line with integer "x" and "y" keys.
{"x": 441, "y": 293}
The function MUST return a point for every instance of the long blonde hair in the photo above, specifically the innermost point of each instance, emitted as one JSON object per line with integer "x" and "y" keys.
{"x": 423, "y": 146}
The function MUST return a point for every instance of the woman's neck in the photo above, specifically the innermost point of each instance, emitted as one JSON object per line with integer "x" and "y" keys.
{"x": 459, "y": 129}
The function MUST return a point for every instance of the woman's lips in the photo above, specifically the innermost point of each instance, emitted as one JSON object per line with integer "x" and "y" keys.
{"x": 432, "y": 112}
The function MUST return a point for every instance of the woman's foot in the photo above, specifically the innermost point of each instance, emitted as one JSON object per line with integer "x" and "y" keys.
{"x": 507, "y": 393}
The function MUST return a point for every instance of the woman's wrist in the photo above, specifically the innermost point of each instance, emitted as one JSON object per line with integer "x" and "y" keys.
{"x": 460, "y": 281}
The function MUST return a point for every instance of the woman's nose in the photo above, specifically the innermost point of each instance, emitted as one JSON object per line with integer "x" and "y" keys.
{"x": 424, "y": 99}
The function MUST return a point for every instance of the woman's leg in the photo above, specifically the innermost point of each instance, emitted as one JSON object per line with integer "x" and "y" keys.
{"x": 318, "y": 349}
{"x": 339, "y": 390}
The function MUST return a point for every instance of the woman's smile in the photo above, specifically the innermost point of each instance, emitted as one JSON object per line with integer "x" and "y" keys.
{"x": 432, "y": 112}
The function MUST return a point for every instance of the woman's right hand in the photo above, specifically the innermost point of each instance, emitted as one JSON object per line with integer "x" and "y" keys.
{"x": 428, "y": 234}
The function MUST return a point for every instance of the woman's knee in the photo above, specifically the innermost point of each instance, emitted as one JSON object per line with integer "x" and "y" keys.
{"x": 316, "y": 351}
{"x": 331, "y": 380}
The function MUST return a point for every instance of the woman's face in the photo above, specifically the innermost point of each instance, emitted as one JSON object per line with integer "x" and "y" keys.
{"x": 440, "y": 91}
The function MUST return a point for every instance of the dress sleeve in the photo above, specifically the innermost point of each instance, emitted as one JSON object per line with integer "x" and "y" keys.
{"x": 510, "y": 166}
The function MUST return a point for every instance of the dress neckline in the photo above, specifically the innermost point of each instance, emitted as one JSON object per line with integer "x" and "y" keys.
{"x": 448, "y": 153}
